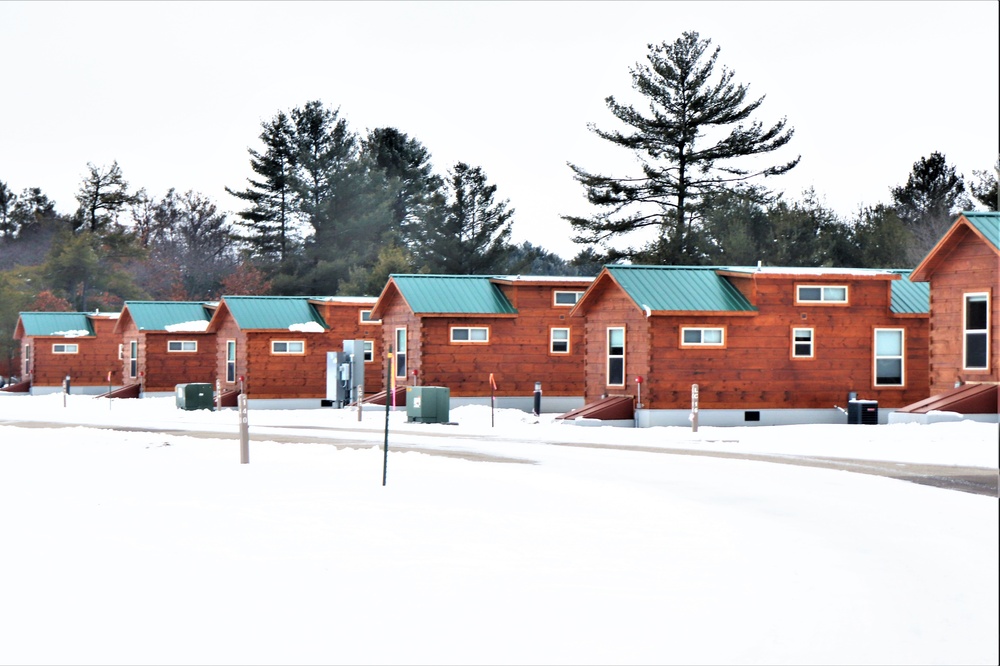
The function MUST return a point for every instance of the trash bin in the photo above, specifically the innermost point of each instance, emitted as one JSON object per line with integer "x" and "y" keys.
{"x": 195, "y": 396}
{"x": 862, "y": 412}
{"x": 427, "y": 404}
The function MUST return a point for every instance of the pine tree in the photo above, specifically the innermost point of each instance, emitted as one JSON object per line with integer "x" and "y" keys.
{"x": 470, "y": 234}
{"x": 693, "y": 142}
{"x": 928, "y": 203}
{"x": 103, "y": 195}
{"x": 269, "y": 217}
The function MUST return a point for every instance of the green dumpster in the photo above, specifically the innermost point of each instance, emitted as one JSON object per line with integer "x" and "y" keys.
{"x": 195, "y": 396}
{"x": 427, "y": 404}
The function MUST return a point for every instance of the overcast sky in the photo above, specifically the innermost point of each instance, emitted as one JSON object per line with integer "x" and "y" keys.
{"x": 176, "y": 91}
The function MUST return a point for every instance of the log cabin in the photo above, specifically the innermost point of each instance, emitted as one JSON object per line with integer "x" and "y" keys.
{"x": 81, "y": 346}
{"x": 165, "y": 343}
{"x": 753, "y": 345}
{"x": 963, "y": 274}
{"x": 487, "y": 339}
{"x": 275, "y": 348}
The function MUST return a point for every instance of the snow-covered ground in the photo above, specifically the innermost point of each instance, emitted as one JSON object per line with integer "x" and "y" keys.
{"x": 151, "y": 547}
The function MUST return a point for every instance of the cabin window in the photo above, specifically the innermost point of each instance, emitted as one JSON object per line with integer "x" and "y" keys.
{"x": 703, "y": 337}
{"x": 470, "y": 334}
{"x": 230, "y": 361}
{"x": 616, "y": 356}
{"x": 27, "y": 360}
{"x": 802, "y": 343}
{"x": 65, "y": 348}
{"x": 888, "y": 357}
{"x": 369, "y": 347}
{"x": 401, "y": 352}
{"x": 288, "y": 346}
{"x": 182, "y": 345}
{"x": 366, "y": 317}
{"x": 559, "y": 340}
{"x": 977, "y": 340}
{"x": 819, "y": 293}
{"x": 121, "y": 352}
{"x": 566, "y": 298}
{"x": 133, "y": 358}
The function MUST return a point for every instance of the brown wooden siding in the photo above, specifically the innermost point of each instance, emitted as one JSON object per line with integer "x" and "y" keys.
{"x": 755, "y": 369}
{"x": 97, "y": 356}
{"x": 971, "y": 266}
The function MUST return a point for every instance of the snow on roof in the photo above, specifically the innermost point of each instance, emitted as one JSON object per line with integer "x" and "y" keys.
{"x": 196, "y": 326}
{"x": 71, "y": 334}
{"x": 307, "y": 327}
{"x": 812, "y": 270}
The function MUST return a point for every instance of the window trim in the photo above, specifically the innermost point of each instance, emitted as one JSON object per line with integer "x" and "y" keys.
{"x": 557, "y": 292}
{"x": 362, "y": 320}
{"x": 368, "y": 350}
{"x": 66, "y": 348}
{"x": 133, "y": 359}
{"x": 876, "y": 357}
{"x": 609, "y": 356}
{"x": 230, "y": 362}
{"x": 811, "y": 342}
{"x": 822, "y": 300}
{"x": 703, "y": 345}
{"x": 552, "y": 340}
{"x": 287, "y": 343}
{"x": 984, "y": 332}
{"x": 469, "y": 329}
{"x": 182, "y": 343}
{"x": 399, "y": 356}
{"x": 26, "y": 357}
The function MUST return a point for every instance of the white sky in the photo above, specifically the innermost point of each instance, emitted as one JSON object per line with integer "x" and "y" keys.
{"x": 150, "y": 548}
{"x": 176, "y": 91}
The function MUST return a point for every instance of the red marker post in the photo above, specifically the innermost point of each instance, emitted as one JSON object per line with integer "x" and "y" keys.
{"x": 493, "y": 399}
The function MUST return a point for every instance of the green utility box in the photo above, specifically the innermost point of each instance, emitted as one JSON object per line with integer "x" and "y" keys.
{"x": 427, "y": 404}
{"x": 195, "y": 396}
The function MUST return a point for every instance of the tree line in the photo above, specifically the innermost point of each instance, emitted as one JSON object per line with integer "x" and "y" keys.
{"x": 328, "y": 210}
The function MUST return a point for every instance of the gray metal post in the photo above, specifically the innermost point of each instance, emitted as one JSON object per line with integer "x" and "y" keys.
{"x": 244, "y": 430}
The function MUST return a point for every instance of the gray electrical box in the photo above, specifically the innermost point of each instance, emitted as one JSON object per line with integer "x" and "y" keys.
{"x": 427, "y": 404}
{"x": 345, "y": 373}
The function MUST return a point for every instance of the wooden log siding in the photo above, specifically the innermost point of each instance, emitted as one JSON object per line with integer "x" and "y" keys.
{"x": 972, "y": 266}
{"x": 96, "y": 356}
{"x": 228, "y": 330}
{"x": 754, "y": 369}
{"x": 164, "y": 370}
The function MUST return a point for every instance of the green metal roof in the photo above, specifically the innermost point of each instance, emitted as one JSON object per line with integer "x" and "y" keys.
{"x": 987, "y": 223}
{"x": 679, "y": 289}
{"x": 910, "y": 297}
{"x": 452, "y": 294}
{"x": 67, "y": 324}
{"x": 273, "y": 312}
{"x": 158, "y": 315}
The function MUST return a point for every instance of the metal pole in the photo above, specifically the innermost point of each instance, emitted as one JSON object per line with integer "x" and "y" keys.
{"x": 244, "y": 430}
{"x": 538, "y": 398}
{"x": 694, "y": 408}
{"x": 361, "y": 397}
{"x": 388, "y": 377}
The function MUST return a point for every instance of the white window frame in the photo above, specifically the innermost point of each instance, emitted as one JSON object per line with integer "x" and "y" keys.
{"x": 369, "y": 350}
{"x": 27, "y": 359}
{"x": 400, "y": 352}
{"x": 553, "y": 341}
{"x": 615, "y": 357}
{"x": 470, "y": 332}
{"x": 978, "y": 332}
{"x": 796, "y": 342}
{"x": 230, "y": 361}
{"x": 362, "y": 319}
{"x": 65, "y": 348}
{"x": 288, "y": 347}
{"x": 823, "y": 294}
{"x": 901, "y": 357}
{"x": 575, "y": 295}
{"x": 133, "y": 359}
{"x": 121, "y": 352}
{"x": 183, "y": 346}
{"x": 702, "y": 330}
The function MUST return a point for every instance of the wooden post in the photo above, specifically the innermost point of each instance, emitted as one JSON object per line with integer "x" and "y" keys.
{"x": 694, "y": 408}
{"x": 244, "y": 430}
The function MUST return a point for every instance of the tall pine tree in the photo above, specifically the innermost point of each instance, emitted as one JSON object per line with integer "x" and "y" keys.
{"x": 696, "y": 139}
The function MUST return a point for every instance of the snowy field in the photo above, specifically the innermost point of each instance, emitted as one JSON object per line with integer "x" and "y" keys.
{"x": 147, "y": 547}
